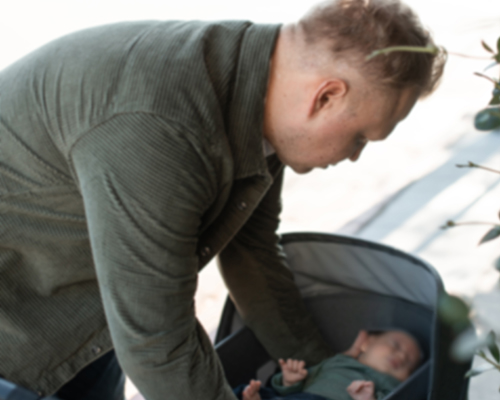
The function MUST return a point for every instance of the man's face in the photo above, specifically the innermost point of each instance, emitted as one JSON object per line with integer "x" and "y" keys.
{"x": 394, "y": 353}
{"x": 339, "y": 130}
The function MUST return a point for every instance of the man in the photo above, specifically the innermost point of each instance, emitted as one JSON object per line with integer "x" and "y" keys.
{"x": 132, "y": 154}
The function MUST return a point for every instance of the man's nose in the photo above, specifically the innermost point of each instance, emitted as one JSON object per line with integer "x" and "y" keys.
{"x": 354, "y": 156}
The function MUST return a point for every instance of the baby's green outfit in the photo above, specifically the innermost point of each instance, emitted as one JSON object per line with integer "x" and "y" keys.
{"x": 331, "y": 378}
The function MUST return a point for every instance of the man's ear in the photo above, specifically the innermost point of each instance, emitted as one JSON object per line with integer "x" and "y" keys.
{"x": 327, "y": 93}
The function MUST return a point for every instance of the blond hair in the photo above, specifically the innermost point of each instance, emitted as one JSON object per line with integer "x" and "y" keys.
{"x": 356, "y": 28}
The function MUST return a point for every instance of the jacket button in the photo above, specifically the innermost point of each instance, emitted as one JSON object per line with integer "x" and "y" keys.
{"x": 96, "y": 350}
{"x": 242, "y": 205}
{"x": 205, "y": 251}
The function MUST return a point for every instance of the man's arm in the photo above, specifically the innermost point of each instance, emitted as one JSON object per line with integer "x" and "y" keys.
{"x": 145, "y": 188}
{"x": 262, "y": 287}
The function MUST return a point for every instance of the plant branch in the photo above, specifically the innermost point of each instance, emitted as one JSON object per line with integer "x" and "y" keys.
{"x": 421, "y": 49}
{"x": 450, "y": 224}
{"x": 411, "y": 49}
{"x": 469, "y": 56}
{"x": 473, "y": 165}
{"x": 486, "y": 77}
{"x": 497, "y": 366}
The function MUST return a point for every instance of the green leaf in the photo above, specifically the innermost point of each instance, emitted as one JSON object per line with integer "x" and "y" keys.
{"x": 492, "y": 346}
{"x": 488, "y": 48}
{"x": 496, "y": 264}
{"x": 495, "y": 100}
{"x": 453, "y": 310}
{"x": 487, "y": 119}
{"x": 497, "y": 56}
{"x": 465, "y": 345}
{"x": 494, "y": 352}
{"x": 493, "y": 64}
{"x": 493, "y": 233}
{"x": 479, "y": 370}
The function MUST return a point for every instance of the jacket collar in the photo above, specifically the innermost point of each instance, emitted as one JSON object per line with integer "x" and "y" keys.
{"x": 246, "y": 106}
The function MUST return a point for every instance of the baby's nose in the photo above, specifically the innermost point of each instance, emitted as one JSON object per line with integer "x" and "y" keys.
{"x": 403, "y": 357}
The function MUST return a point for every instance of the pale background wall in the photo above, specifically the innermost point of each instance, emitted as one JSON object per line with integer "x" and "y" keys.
{"x": 322, "y": 200}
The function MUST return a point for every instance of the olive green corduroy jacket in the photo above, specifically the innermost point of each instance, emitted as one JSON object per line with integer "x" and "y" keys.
{"x": 130, "y": 155}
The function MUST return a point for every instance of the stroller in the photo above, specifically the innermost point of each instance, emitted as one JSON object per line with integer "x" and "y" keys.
{"x": 350, "y": 284}
{"x": 347, "y": 284}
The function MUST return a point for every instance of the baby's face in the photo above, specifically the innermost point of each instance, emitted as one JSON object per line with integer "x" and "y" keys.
{"x": 393, "y": 352}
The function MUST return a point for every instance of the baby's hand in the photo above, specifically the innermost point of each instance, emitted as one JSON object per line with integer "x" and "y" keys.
{"x": 361, "y": 390}
{"x": 293, "y": 371}
{"x": 251, "y": 392}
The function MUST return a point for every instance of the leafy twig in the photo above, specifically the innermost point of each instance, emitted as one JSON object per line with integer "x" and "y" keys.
{"x": 411, "y": 49}
{"x": 470, "y": 164}
{"x": 451, "y": 224}
{"x": 421, "y": 49}
{"x": 486, "y": 77}
{"x": 469, "y": 56}
{"x": 484, "y": 357}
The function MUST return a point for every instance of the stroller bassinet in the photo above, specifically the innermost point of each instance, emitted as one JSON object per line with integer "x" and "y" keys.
{"x": 350, "y": 284}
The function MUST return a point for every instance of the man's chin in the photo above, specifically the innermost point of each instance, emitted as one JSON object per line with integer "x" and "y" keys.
{"x": 301, "y": 170}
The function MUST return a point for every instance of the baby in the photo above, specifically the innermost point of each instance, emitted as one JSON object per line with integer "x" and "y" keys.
{"x": 374, "y": 365}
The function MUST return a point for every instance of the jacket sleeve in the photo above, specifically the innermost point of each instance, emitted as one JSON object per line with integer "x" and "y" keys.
{"x": 260, "y": 284}
{"x": 277, "y": 384}
{"x": 145, "y": 186}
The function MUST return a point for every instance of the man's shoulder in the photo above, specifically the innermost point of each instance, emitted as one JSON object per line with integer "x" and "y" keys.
{"x": 179, "y": 70}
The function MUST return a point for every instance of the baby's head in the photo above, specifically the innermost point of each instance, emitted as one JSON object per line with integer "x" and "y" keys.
{"x": 395, "y": 353}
